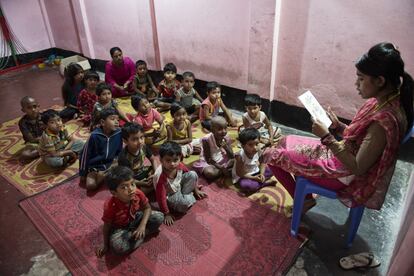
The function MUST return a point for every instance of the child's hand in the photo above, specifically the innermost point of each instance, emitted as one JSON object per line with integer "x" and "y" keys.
{"x": 149, "y": 180}
{"x": 168, "y": 220}
{"x": 139, "y": 233}
{"x": 101, "y": 251}
{"x": 199, "y": 194}
{"x": 72, "y": 156}
{"x": 260, "y": 178}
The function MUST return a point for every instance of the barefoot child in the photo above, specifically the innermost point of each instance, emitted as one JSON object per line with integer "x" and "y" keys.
{"x": 56, "y": 147}
{"x": 127, "y": 215}
{"x": 216, "y": 157}
{"x": 249, "y": 170}
{"x": 31, "y": 127}
{"x": 87, "y": 97}
{"x": 210, "y": 107}
{"x": 105, "y": 101}
{"x": 167, "y": 87}
{"x": 256, "y": 118}
{"x": 71, "y": 88}
{"x": 142, "y": 83}
{"x": 102, "y": 147}
{"x": 179, "y": 130}
{"x": 188, "y": 97}
{"x": 146, "y": 116}
{"x": 133, "y": 156}
{"x": 175, "y": 186}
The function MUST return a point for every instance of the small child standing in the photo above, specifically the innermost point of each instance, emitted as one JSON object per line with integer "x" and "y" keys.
{"x": 127, "y": 215}
{"x": 175, "y": 186}
{"x": 71, "y": 88}
{"x": 102, "y": 147}
{"x": 105, "y": 101}
{"x": 142, "y": 83}
{"x": 31, "y": 127}
{"x": 133, "y": 156}
{"x": 188, "y": 97}
{"x": 216, "y": 157}
{"x": 146, "y": 116}
{"x": 210, "y": 107}
{"x": 56, "y": 147}
{"x": 256, "y": 118}
{"x": 167, "y": 87}
{"x": 180, "y": 131}
{"x": 249, "y": 170}
{"x": 87, "y": 97}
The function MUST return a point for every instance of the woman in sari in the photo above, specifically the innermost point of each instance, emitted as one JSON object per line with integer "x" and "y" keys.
{"x": 359, "y": 166}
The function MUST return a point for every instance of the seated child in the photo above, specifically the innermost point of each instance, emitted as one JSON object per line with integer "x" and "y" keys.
{"x": 175, "y": 186}
{"x": 256, "y": 118}
{"x": 105, "y": 101}
{"x": 133, "y": 156}
{"x": 188, "y": 97}
{"x": 210, "y": 107}
{"x": 127, "y": 215}
{"x": 142, "y": 83}
{"x": 71, "y": 88}
{"x": 216, "y": 157}
{"x": 31, "y": 127}
{"x": 87, "y": 97}
{"x": 180, "y": 131}
{"x": 146, "y": 116}
{"x": 167, "y": 87}
{"x": 249, "y": 170}
{"x": 56, "y": 147}
{"x": 102, "y": 147}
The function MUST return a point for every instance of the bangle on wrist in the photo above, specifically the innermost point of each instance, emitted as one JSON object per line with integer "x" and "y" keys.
{"x": 328, "y": 139}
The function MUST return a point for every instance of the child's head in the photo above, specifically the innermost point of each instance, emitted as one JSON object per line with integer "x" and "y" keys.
{"x": 253, "y": 104}
{"x": 108, "y": 119}
{"x": 116, "y": 55}
{"x": 170, "y": 71}
{"x": 104, "y": 93}
{"x": 30, "y": 107}
{"x": 140, "y": 104}
{"x": 91, "y": 79}
{"x": 73, "y": 73}
{"x": 249, "y": 139}
{"x": 219, "y": 127}
{"x": 213, "y": 91}
{"x": 178, "y": 112}
{"x": 188, "y": 80}
{"x": 121, "y": 183}
{"x": 141, "y": 67}
{"x": 52, "y": 121}
{"x": 170, "y": 156}
{"x": 133, "y": 136}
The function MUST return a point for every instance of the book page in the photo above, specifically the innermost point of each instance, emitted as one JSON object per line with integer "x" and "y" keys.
{"x": 314, "y": 108}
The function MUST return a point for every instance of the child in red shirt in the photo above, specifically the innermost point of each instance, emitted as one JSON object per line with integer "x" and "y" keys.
{"x": 127, "y": 214}
{"x": 168, "y": 87}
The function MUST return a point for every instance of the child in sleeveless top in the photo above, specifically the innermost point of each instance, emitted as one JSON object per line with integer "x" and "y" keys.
{"x": 188, "y": 97}
{"x": 179, "y": 131}
{"x": 249, "y": 170}
{"x": 256, "y": 118}
{"x": 142, "y": 83}
{"x": 216, "y": 157}
{"x": 210, "y": 107}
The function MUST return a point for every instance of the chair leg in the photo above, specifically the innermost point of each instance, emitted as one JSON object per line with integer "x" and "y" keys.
{"x": 298, "y": 201}
{"x": 355, "y": 217}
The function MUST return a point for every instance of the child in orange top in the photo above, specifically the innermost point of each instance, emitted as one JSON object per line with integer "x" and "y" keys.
{"x": 210, "y": 107}
{"x": 179, "y": 130}
{"x": 146, "y": 116}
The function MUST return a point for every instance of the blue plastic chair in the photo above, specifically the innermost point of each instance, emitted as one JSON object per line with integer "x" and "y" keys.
{"x": 305, "y": 187}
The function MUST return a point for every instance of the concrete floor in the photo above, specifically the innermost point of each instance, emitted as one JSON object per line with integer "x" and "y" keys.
{"x": 32, "y": 255}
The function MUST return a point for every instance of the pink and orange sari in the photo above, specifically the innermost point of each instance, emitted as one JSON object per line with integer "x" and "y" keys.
{"x": 307, "y": 157}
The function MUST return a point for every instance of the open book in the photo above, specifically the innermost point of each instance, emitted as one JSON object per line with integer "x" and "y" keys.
{"x": 314, "y": 108}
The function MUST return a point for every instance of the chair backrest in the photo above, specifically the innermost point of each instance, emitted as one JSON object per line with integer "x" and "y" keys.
{"x": 408, "y": 136}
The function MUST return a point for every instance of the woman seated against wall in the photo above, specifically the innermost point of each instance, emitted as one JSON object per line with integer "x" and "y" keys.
{"x": 359, "y": 166}
{"x": 119, "y": 73}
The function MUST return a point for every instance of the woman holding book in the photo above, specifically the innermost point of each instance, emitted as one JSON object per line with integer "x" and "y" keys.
{"x": 360, "y": 164}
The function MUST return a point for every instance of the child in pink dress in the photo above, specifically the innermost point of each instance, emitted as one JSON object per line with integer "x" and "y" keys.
{"x": 216, "y": 157}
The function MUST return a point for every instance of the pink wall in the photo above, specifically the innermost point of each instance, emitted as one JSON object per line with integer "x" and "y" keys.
{"x": 229, "y": 41}
{"x": 320, "y": 40}
{"x": 28, "y": 27}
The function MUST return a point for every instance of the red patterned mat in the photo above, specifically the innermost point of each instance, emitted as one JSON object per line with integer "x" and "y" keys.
{"x": 223, "y": 234}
